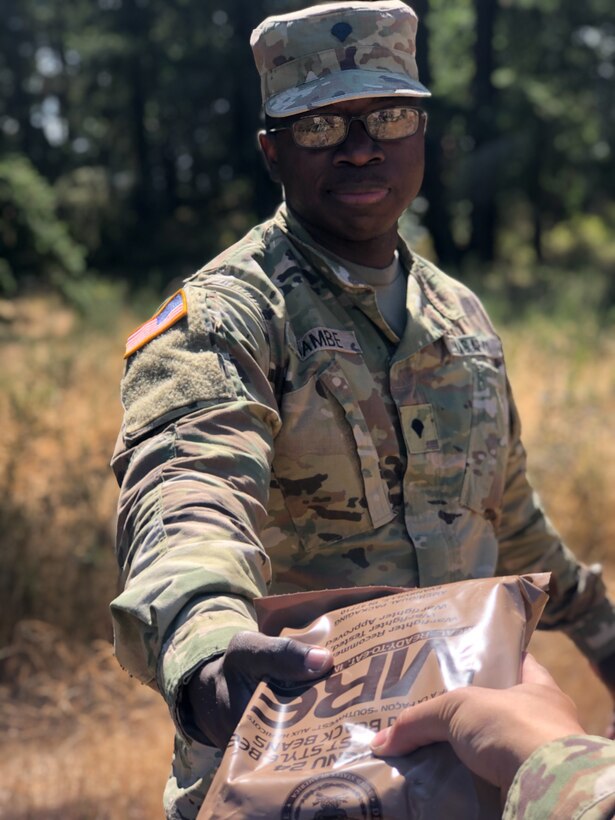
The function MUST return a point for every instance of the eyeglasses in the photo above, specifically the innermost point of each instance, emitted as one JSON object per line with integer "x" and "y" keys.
{"x": 329, "y": 130}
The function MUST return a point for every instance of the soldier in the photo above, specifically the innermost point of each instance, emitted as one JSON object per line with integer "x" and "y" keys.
{"x": 527, "y": 741}
{"x": 318, "y": 406}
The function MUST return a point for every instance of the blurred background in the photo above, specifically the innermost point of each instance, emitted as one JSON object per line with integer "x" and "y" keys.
{"x": 128, "y": 159}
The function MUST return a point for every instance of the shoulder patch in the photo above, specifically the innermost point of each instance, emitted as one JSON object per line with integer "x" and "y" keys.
{"x": 174, "y": 309}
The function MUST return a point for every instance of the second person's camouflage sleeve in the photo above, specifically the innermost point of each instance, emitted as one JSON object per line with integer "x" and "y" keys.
{"x": 571, "y": 778}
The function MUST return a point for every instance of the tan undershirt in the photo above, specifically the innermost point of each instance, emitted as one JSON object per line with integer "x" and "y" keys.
{"x": 388, "y": 283}
{"x": 390, "y": 286}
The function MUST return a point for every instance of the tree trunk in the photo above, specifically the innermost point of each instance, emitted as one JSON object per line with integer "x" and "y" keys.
{"x": 483, "y": 130}
{"x": 246, "y": 108}
{"x": 138, "y": 29}
{"x": 437, "y": 219}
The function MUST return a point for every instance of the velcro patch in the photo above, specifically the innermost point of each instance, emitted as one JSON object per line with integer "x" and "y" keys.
{"x": 325, "y": 338}
{"x": 474, "y": 346}
{"x": 174, "y": 309}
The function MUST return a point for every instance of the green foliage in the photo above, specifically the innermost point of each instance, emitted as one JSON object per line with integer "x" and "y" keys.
{"x": 547, "y": 295}
{"x": 143, "y": 117}
{"x": 84, "y": 201}
{"x": 35, "y": 245}
{"x": 572, "y": 287}
{"x": 451, "y": 32}
{"x": 99, "y": 302}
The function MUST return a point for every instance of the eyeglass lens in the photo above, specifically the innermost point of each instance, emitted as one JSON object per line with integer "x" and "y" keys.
{"x": 326, "y": 130}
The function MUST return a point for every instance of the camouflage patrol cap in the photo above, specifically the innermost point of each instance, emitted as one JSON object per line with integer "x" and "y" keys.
{"x": 336, "y": 51}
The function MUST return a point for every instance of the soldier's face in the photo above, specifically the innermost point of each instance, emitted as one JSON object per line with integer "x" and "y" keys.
{"x": 354, "y": 192}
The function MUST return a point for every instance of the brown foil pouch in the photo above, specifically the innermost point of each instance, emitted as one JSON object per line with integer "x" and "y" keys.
{"x": 303, "y": 751}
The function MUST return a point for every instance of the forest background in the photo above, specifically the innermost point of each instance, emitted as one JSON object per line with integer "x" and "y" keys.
{"x": 127, "y": 159}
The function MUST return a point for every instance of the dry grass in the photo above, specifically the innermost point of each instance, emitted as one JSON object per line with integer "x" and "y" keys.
{"x": 80, "y": 739}
{"x": 564, "y": 382}
{"x": 59, "y": 413}
{"x": 565, "y": 389}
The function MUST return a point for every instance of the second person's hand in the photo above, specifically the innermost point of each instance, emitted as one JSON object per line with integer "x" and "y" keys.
{"x": 492, "y": 731}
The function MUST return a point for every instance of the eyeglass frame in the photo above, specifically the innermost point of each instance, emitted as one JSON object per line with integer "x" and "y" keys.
{"x": 348, "y": 122}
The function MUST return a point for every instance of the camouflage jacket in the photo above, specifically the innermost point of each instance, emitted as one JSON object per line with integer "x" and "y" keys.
{"x": 280, "y": 436}
{"x": 569, "y": 778}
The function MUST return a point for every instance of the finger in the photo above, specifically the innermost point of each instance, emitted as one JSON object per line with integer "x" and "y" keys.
{"x": 256, "y": 656}
{"x": 416, "y": 726}
{"x": 533, "y": 672}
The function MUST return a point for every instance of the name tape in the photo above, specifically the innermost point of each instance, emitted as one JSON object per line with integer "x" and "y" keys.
{"x": 326, "y": 338}
{"x": 474, "y": 346}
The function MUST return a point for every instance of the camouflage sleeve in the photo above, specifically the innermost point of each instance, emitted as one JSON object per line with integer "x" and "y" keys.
{"x": 193, "y": 460}
{"x": 578, "y": 602}
{"x": 570, "y": 778}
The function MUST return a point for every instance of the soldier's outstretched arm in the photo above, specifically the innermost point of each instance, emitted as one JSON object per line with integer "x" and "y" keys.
{"x": 194, "y": 461}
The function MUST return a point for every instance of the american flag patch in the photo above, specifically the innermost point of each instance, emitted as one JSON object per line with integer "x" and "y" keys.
{"x": 172, "y": 311}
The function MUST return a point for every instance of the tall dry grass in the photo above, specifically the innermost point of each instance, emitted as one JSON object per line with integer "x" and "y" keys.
{"x": 59, "y": 414}
{"x": 564, "y": 382}
{"x": 79, "y": 739}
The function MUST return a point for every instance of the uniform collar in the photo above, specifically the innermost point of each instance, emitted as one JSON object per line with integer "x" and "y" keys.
{"x": 323, "y": 262}
{"x": 431, "y": 304}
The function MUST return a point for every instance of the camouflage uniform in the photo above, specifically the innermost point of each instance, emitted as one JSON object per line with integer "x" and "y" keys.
{"x": 572, "y": 778}
{"x": 281, "y": 437}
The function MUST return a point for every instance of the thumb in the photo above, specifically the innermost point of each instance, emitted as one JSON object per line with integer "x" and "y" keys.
{"x": 416, "y": 726}
{"x": 533, "y": 672}
{"x": 254, "y": 655}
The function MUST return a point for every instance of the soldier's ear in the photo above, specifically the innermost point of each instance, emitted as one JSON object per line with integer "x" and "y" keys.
{"x": 269, "y": 150}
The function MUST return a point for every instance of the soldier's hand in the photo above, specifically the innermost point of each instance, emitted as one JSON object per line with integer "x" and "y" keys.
{"x": 492, "y": 731}
{"x": 219, "y": 692}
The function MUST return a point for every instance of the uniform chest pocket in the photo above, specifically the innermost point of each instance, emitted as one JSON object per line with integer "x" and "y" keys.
{"x": 456, "y": 428}
{"x": 326, "y": 463}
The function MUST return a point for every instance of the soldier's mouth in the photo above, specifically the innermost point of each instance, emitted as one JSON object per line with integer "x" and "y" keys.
{"x": 359, "y": 196}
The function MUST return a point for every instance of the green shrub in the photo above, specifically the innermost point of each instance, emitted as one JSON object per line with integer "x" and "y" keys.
{"x": 35, "y": 245}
